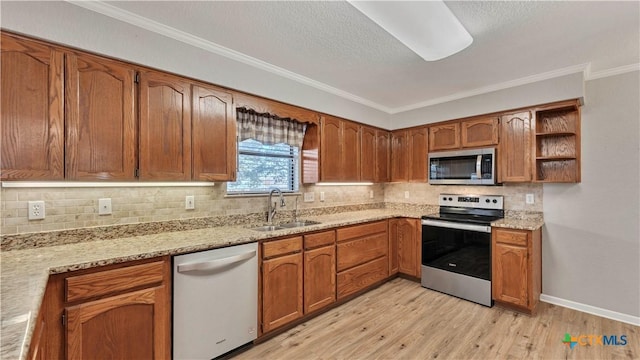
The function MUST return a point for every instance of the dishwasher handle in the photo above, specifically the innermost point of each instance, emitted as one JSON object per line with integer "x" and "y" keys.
{"x": 215, "y": 264}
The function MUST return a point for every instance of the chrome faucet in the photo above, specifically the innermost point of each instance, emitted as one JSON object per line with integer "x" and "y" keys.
{"x": 272, "y": 205}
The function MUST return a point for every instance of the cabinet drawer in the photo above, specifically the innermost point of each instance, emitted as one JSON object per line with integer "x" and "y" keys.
{"x": 359, "y": 251}
{"x": 353, "y": 232}
{"x": 360, "y": 277}
{"x": 511, "y": 237}
{"x": 281, "y": 247}
{"x": 319, "y": 239}
{"x": 113, "y": 281}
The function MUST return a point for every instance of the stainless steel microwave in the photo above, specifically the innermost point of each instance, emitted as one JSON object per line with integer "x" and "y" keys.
{"x": 463, "y": 167}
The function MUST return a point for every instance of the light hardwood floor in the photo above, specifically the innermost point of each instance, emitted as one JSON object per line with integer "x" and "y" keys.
{"x": 402, "y": 320}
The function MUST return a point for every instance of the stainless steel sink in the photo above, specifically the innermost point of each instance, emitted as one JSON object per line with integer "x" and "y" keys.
{"x": 295, "y": 224}
{"x": 267, "y": 228}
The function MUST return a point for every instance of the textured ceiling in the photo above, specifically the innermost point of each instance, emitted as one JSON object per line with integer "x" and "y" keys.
{"x": 333, "y": 43}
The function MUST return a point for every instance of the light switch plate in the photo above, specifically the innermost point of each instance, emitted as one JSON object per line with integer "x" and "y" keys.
{"x": 190, "y": 202}
{"x": 370, "y": 194}
{"x": 530, "y": 199}
{"x": 406, "y": 194}
{"x": 321, "y": 195}
{"x": 309, "y": 197}
{"x": 36, "y": 210}
{"x": 104, "y": 206}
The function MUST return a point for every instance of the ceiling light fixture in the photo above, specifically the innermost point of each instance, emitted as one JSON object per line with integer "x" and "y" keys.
{"x": 428, "y": 28}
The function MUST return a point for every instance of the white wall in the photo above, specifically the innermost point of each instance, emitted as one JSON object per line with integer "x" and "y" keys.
{"x": 541, "y": 92}
{"x": 591, "y": 240}
{"x": 71, "y": 25}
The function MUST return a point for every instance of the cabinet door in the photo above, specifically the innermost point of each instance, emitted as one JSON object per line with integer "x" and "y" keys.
{"x": 393, "y": 245}
{"x": 281, "y": 291}
{"x": 382, "y": 156}
{"x": 107, "y": 328}
{"x": 510, "y": 277}
{"x": 479, "y": 132}
{"x": 515, "y": 147}
{"x": 350, "y": 151}
{"x": 418, "y": 155}
{"x": 214, "y": 135}
{"x": 331, "y": 149}
{"x": 408, "y": 247}
{"x": 368, "y": 154}
{"x": 31, "y": 111}
{"x": 444, "y": 137}
{"x": 399, "y": 156}
{"x": 100, "y": 119}
{"x": 165, "y": 127}
{"x": 319, "y": 278}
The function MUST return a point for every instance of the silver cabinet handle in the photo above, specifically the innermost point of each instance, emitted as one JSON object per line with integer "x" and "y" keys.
{"x": 215, "y": 264}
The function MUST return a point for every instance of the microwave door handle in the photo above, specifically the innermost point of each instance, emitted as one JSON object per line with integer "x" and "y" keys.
{"x": 479, "y": 167}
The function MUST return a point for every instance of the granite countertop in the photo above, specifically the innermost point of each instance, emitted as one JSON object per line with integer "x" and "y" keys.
{"x": 25, "y": 273}
{"x": 521, "y": 224}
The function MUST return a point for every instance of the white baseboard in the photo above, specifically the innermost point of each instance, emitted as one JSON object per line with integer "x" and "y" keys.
{"x": 613, "y": 315}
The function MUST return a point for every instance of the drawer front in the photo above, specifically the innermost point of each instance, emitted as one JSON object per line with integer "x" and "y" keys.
{"x": 360, "y": 277}
{"x": 357, "y": 231}
{"x": 319, "y": 239}
{"x": 359, "y": 251}
{"x": 113, "y": 281}
{"x": 281, "y": 247}
{"x": 513, "y": 237}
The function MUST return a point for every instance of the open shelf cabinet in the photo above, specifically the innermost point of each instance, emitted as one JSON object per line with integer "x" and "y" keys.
{"x": 557, "y": 143}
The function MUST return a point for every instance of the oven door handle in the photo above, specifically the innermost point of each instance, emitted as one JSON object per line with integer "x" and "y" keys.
{"x": 456, "y": 225}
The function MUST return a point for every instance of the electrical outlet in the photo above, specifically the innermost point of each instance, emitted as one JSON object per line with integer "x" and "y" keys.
{"x": 36, "y": 210}
{"x": 190, "y": 202}
{"x": 321, "y": 195}
{"x": 530, "y": 199}
{"x": 104, "y": 206}
{"x": 370, "y": 194}
{"x": 309, "y": 197}
{"x": 406, "y": 194}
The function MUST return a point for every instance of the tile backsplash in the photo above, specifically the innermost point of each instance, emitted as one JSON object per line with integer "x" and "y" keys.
{"x": 77, "y": 207}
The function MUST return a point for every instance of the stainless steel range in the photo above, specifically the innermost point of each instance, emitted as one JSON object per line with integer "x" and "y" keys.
{"x": 456, "y": 246}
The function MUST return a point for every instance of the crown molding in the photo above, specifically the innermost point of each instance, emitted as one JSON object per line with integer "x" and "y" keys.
{"x": 495, "y": 87}
{"x": 612, "y": 72}
{"x": 173, "y": 33}
{"x": 170, "y": 32}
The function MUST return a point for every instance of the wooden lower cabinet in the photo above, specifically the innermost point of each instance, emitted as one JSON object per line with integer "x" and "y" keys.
{"x": 319, "y": 278}
{"x": 114, "y": 312}
{"x": 405, "y": 245}
{"x": 282, "y": 281}
{"x": 516, "y": 269}
{"x": 362, "y": 256}
{"x": 133, "y": 325}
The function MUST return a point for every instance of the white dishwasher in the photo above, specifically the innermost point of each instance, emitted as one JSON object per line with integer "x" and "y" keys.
{"x": 215, "y": 301}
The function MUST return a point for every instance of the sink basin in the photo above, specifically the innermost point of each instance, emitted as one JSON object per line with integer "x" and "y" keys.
{"x": 295, "y": 224}
{"x": 267, "y": 228}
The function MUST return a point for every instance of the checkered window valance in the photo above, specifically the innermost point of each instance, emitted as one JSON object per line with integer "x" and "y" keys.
{"x": 269, "y": 129}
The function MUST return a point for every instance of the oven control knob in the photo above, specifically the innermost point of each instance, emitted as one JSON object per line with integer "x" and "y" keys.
{"x": 450, "y": 199}
{"x": 444, "y": 199}
{"x": 495, "y": 201}
{"x": 487, "y": 200}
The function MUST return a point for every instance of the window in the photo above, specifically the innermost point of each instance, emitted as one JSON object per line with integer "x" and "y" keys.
{"x": 263, "y": 167}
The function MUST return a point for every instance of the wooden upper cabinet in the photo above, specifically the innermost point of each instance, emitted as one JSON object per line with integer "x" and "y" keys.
{"x": 331, "y": 149}
{"x": 515, "y": 147}
{"x": 100, "y": 113}
{"x": 418, "y": 155}
{"x": 479, "y": 132}
{"x": 31, "y": 110}
{"x": 399, "y": 155}
{"x": 214, "y": 134}
{"x": 383, "y": 150}
{"x": 165, "y": 127}
{"x": 368, "y": 144}
{"x": 350, "y": 151}
{"x": 444, "y": 137}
